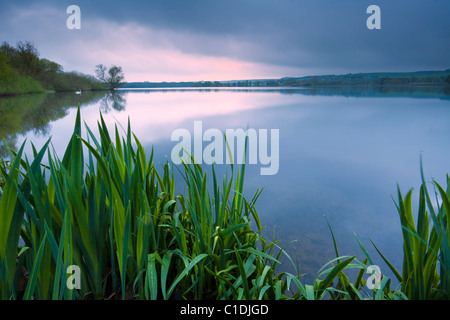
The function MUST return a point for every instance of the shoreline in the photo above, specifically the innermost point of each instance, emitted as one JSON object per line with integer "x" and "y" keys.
{"x": 5, "y": 95}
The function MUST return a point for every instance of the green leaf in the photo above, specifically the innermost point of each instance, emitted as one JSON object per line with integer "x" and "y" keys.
{"x": 165, "y": 266}
{"x": 188, "y": 268}
{"x": 151, "y": 278}
{"x": 334, "y": 273}
{"x": 31, "y": 285}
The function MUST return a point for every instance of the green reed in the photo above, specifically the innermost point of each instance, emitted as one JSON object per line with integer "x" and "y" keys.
{"x": 426, "y": 255}
{"x": 117, "y": 218}
{"x": 108, "y": 209}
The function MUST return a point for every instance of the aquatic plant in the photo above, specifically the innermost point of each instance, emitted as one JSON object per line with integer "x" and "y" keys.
{"x": 118, "y": 219}
{"x": 426, "y": 254}
{"x": 109, "y": 212}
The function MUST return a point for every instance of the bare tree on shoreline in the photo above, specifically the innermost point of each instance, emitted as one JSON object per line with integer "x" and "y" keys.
{"x": 113, "y": 76}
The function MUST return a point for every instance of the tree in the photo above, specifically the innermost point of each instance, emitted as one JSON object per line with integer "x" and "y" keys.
{"x": 5, "y": 69}
{"x": 113, "y": 76}
{"x": 27, "y": 58}
{"x": 48, "y": 66}
{"x": 8, "y": 50}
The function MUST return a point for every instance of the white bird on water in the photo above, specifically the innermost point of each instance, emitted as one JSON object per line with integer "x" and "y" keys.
{"x": 78, "y": 92}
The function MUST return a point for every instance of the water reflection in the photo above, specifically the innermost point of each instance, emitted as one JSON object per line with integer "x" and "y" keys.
{"x": 369, "y": 91}
{"x": 33, "y": 113}
{"x": 115, "y": 100}
{"x": 375, "y": 92}
{"x": 342, "y": 151}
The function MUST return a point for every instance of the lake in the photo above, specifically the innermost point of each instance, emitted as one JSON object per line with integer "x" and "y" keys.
{"x": 342, "y": 152}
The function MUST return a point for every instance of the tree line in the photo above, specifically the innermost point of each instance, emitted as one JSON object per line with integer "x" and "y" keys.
{"x": 23, "y": 71}
{"x": 430, "y": 78}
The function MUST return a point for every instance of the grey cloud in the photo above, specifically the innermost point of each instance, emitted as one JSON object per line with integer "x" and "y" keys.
{"x": 317, "y": 34}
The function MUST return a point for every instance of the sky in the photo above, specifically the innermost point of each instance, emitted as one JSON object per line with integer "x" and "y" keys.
{"x": 168, "y": 40}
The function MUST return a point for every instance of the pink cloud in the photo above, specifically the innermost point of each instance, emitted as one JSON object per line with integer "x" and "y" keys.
{"x": 153, "y": 55}
{"x": 145, "y": 53}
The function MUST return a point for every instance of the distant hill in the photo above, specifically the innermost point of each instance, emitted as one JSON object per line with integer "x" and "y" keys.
{"x": 419, "y": 78}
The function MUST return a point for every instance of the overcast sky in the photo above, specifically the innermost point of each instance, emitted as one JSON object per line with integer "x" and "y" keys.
{"x": 196, "y": 40}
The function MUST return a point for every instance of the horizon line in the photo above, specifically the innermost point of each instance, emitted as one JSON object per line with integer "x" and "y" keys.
{"x": 298, "y": 77}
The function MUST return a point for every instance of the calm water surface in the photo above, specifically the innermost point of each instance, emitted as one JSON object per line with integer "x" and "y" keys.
{"x": 342, "y": 154}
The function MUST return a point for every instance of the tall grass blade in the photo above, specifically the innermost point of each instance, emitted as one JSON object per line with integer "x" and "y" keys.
{"x": 31, "y": 285}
